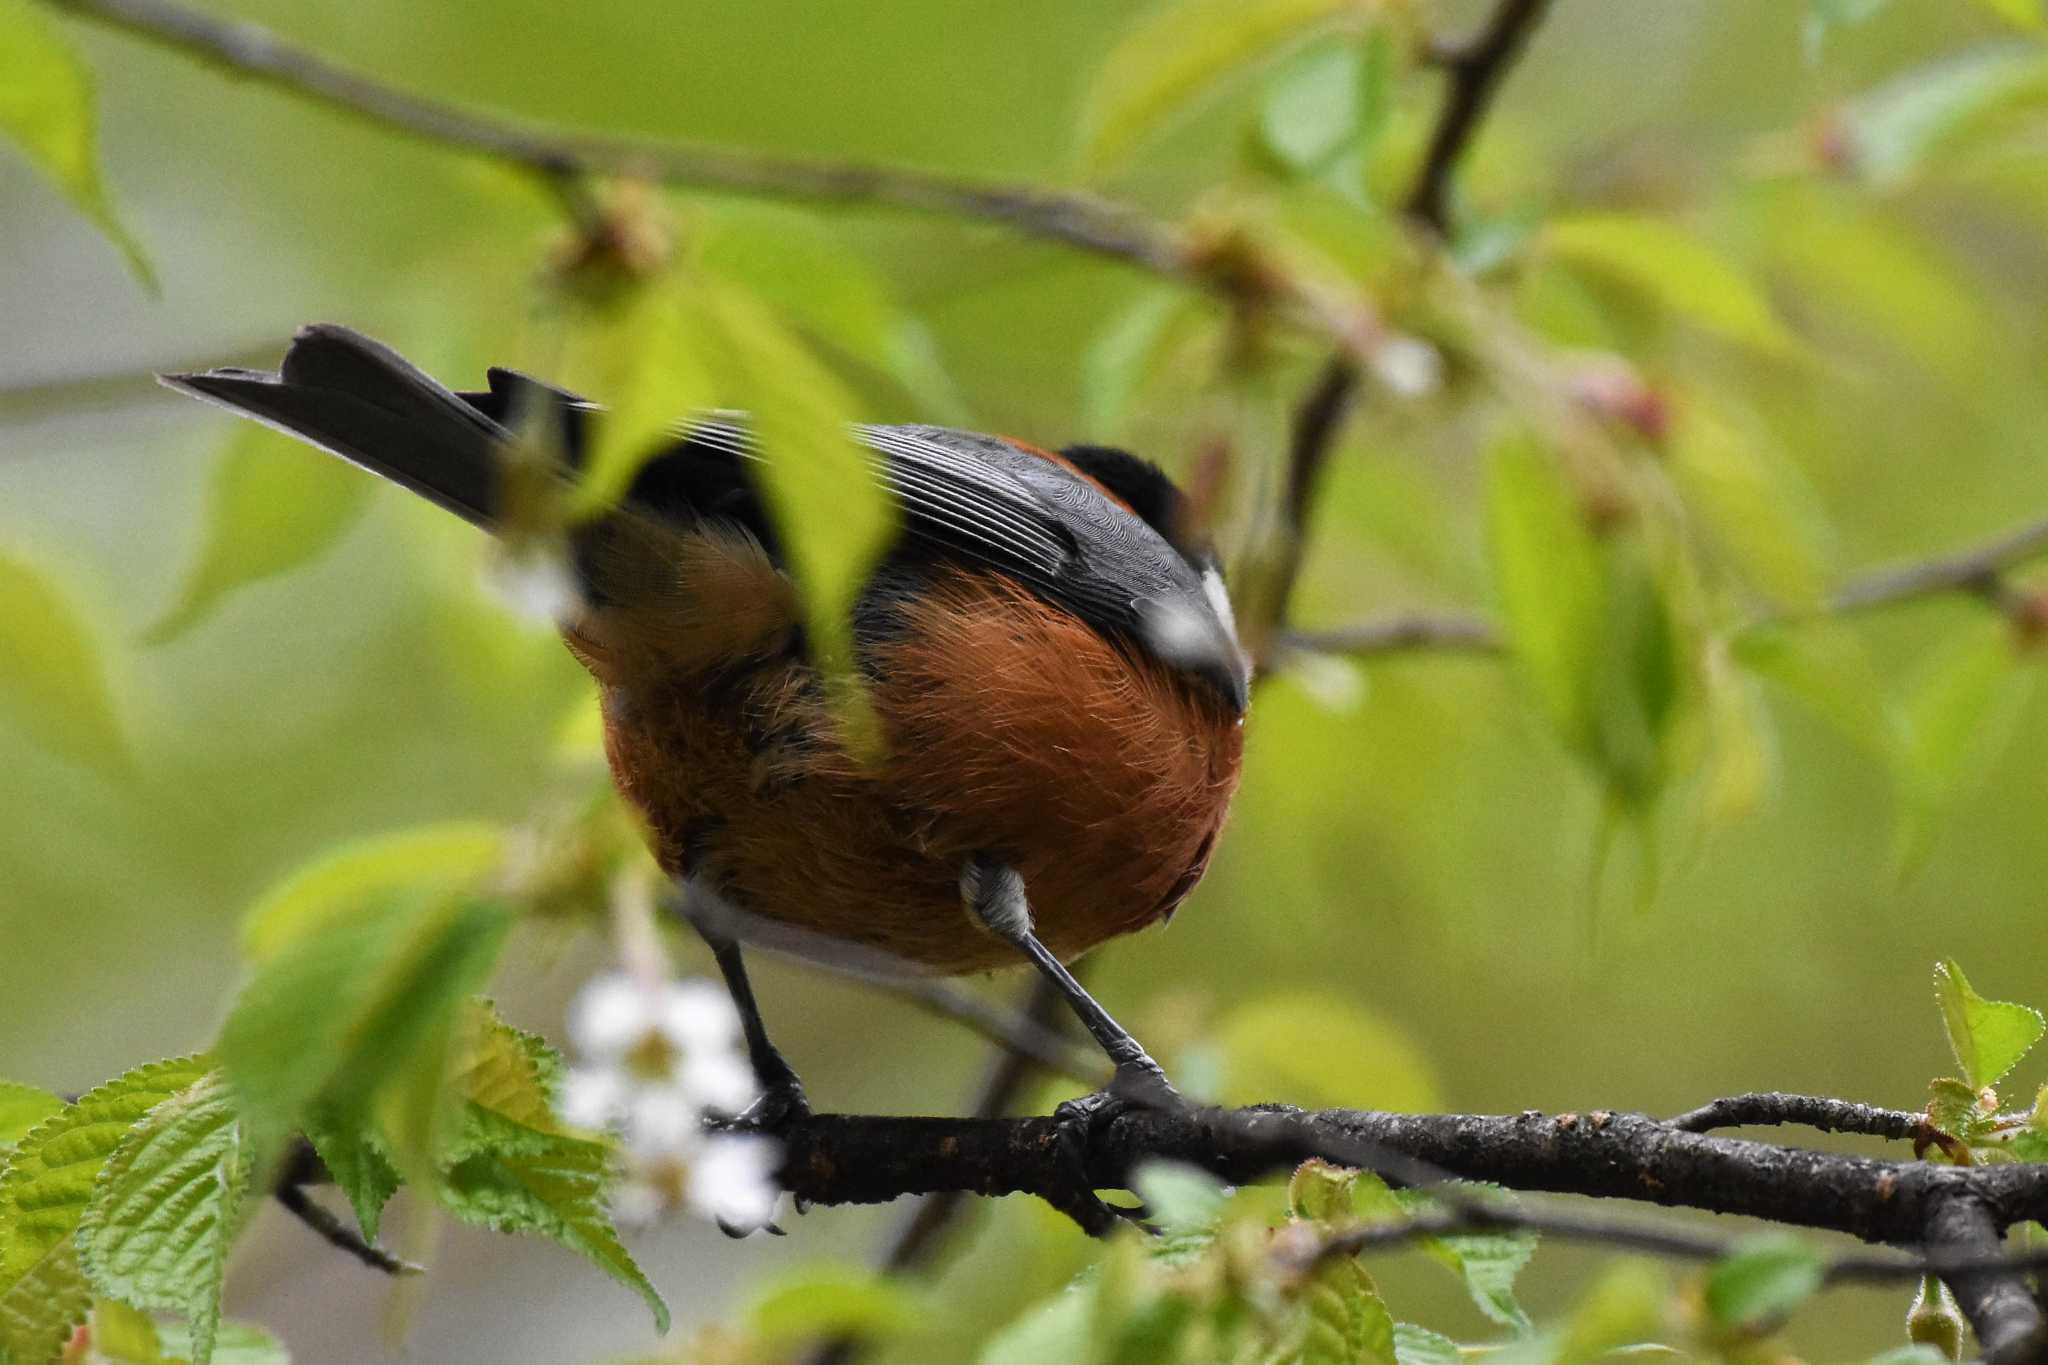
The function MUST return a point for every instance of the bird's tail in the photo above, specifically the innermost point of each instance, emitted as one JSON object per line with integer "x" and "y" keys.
{"x": 353, "y": 396}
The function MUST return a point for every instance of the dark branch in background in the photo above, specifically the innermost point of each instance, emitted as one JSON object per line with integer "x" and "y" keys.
{"x": 1401, "y": 634}
{"x": 925, "y": 1230}
{"x": 302, "y": 1167}
{"x": 1024, "y": 1035}
{"x": 1980, "y": 570}
{"x": 1475, "y": 70}
{"x": 1959, "y": 1214}
{"x": 563, "y": 159}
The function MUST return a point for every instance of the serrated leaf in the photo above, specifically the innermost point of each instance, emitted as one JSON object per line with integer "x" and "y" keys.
{"x": 356, "y": 1016}
{"x": 507, "y": 1080}
{"x": 1763, "y": 1281}
{"x": 1894, "y": 131}
{"x": 237, "y": 1343}
{"x": 1320, "y": 1050}
{"x": 340, "y": 880}
{"x": 166, "y": 1208}
{"x": 1988, "y": 1037}
{"x": 356, "y": 1162}
{"x": 44, "y": 1191}
{"x": 22, "y": 1107}
{"x": 1956, "y": 1107}
{"x": 831, "y": 510}
{"x": 1178, "y": 52}
{"x": 555, "y": 1191}
{"x": 825, "y": 1301}
{"x": 1419, "y": 1346}
{"x": 1321, "y": 1193}
{"x": 1674, "y": 270}
{"x": 1348, "y": 1322}
{"x": 1178, "y": 1197}
{"x": 1488, "y": 1263}
{"x": 53, "y": 683}
{"x": 46, "y": 109}
{"x": 274, "y": 505}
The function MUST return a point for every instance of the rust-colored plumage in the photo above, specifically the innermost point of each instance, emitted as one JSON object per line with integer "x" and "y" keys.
{"x": 1011, "y": 729}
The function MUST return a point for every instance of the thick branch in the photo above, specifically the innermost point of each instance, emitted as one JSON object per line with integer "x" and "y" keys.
{"x": 1070, "y": 218}
{"x": 842, "y": 1159}
{"x": 1998, "y": 1303}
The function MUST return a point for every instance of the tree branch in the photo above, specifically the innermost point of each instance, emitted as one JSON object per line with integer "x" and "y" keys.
{"x": 1977, "y": 570}
{"x": 1998, "y": 1302}
{"x": 835, "y": 1159}
{"x": 1770, "y": 1108}
{"x": 1073, "y": 219}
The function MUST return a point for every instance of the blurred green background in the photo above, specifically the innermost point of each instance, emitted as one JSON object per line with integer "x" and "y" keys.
{"x": 1417, "y": 852}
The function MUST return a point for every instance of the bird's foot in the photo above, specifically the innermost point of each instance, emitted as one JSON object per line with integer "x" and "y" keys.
{"x": 1139, "y": 1084}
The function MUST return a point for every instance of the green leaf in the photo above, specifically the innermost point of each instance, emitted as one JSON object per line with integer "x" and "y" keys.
{"x": 1177, "y": 52}
{"x": 1956, "y": 716}
{"x": 797, "y": 264}
{"x": 356, "y": 1016}
{"x": 1823, "y": 17}
{"x": 1348, "y": 1322}
{"x": 166, "y": 1208}
{"x": 1127, "y": 353}
{"x": 555, "y": 1190}
{"x": 1419, "y": 1346}
{"x": 338, "y": 882}
{"x": 1988, "y": 1036}
{"x": 1763, "y": 1281}
{"x": 1178, "y": 1197}
{"x": 1319, "y": 1050}
{"x": 355, "y": 1159}
{"x": 824, "y": 1301}
{"x": 1759, "y": 507}
{"x": 22, "y": 1107}
{"x": 1321, "y": 1193}
{"x": 1313, "y": 105}
{"x": 507, "y": 1080}
{"x": 646, "y": 361}
{"x": 1058, "y": 1329}
{"x": 46, "y": 109}
{"x": 833, "y": 513}
{"x": 1957, "y": 1108}
{"x": 1824, "y": 666}
{"x": 237, "y": 1343}
{"x": 1547, "y": 575}
{"x": 53, "y": 684}
{"x": 274, "y": 505}
{"x": 1488, "y": 1263}
{"x": 1893, "y": 132}
{"x": 1674, "y": 270}
{"x": 2021, "y": 14}
{"x": 126, "y": 1335}
{"x": 44, "y": 1191}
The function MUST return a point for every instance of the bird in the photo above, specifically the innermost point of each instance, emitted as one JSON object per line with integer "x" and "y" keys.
{"x": 1046, "y": 645}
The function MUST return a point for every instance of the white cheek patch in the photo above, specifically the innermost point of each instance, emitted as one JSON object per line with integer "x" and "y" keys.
{"x": 1219, "y": 602}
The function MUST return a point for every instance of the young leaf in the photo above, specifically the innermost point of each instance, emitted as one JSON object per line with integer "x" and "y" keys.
{"x": 166, "y": 1207}
{"x": 355, "y": 1159}
{"x": 1955, "y": 717}
{"x": 1894, "y": 131}
{"x": 507, "y": 1080}
{"x": 1988, "y": 1037}
{"x": 1419, "y": 1346}
{"x": 1763, "y": 1281}
{"x": 358, "y": 1012}
{"x": 822, "y": 1301}
{"x": 1180, "y": 1198}
{"x": 557, "y": 1190}
{"x": 829, "y": 504}
{"x": 1548, "y": 577}
{"x": 1321, "y": 1193}
{"x": 645, "y": 361}
{"x": 125, "y": 1335}
{"x": 1487, "y": 1262}
{"x": 44, "y": 1191}
{"x": 22, "y": 1107}
{"x": 46, "y": 109}
{"x": 1313, "y": 106}
{"x": 1824, "y": 666}
{"x": 1673, "y": 269}
{"x": 237, "y": 1343}
{"x": 1125, "y": 354}
{"x": 1753, "y": 498}
{"x": 1175, "y": 54}
{"x": 274, "y": 506}
{"x": 1057, "y": 1329}
{"x": 435, "y": 857}
{"x": 1348, "y": 1322}
{"x": 52, "y": 682}
{"x": 1957, "y": 1108}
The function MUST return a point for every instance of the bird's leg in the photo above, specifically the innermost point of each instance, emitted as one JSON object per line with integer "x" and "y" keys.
{"x": 782, "y": 1094}
{"x": 994, "y": 895}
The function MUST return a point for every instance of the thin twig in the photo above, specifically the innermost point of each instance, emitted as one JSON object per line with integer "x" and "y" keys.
{"x": 1476, "y": 69}
{"x": 1977, "y": 570}
{"x": 1019, "y": 1034}
{"x": 1771, "y": 1108}
{"x": 337, "y": 1233}
{"x": 561, "y": 159}
{"x": 1400, "y": 634}
{"x": 920, "y": 1235}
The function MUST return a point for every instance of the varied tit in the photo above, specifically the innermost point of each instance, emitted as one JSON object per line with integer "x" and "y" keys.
{"x": 1046, "y": 645}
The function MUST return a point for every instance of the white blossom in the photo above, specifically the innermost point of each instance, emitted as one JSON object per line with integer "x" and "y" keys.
{"x": 733, "y": 1180}
{"x": 1407, "y": 365}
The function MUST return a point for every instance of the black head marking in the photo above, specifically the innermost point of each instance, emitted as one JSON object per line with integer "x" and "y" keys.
{"x": 1156, "y": 499}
